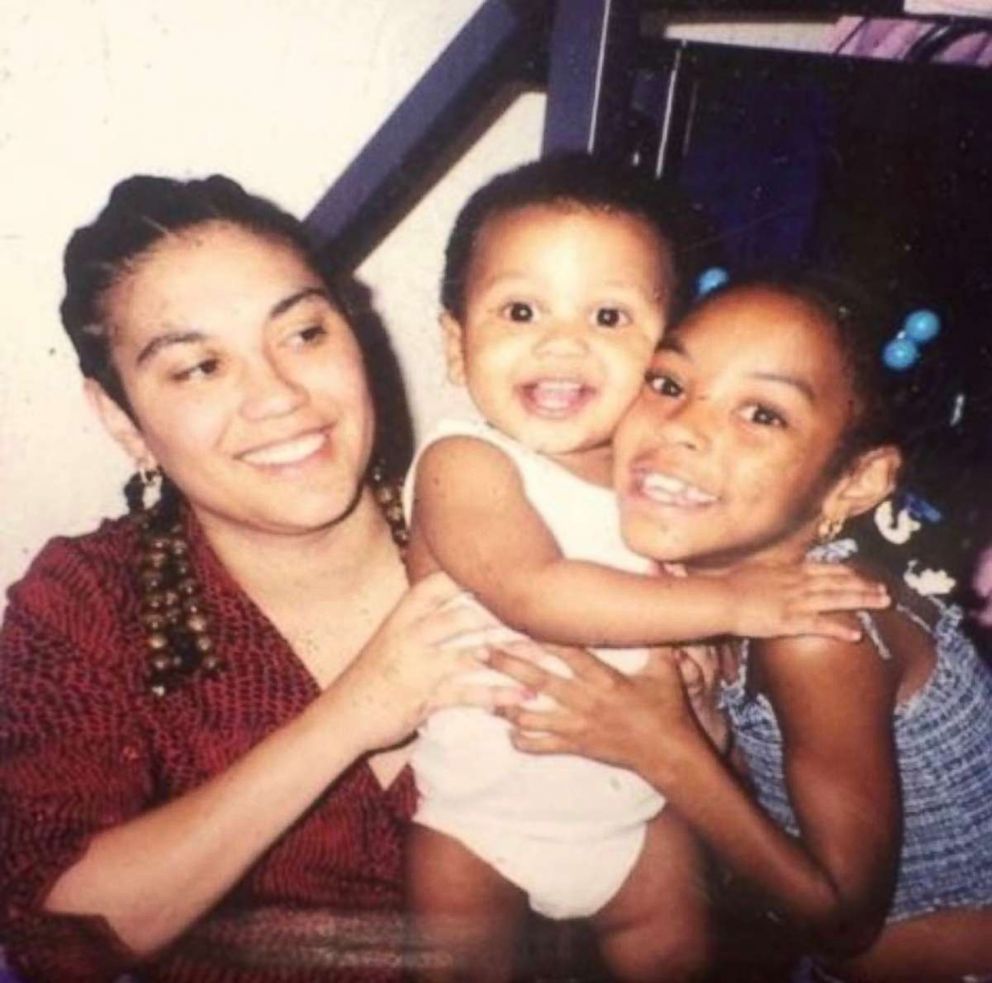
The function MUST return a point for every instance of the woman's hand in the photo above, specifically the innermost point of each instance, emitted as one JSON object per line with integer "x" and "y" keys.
{"x": 598, "y": 712}
{"x": 421, "y": 658}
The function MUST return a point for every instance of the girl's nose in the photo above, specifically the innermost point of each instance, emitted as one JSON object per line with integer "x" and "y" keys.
{"x": 686, "y": 425}
{"x": 268, "y": 390}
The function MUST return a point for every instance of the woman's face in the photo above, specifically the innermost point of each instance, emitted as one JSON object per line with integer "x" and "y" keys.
{"x": 245, "y": 381}
{"x": 725, "y": 454}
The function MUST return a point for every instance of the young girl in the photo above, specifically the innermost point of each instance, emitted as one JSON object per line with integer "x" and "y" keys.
{"x": 556, "y": 291}
{"x": 872, "y": 760}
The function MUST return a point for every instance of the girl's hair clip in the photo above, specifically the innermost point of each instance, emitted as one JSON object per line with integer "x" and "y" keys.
{"x": 903, "y": 351}
{"x": 920, "y": 509}
{"x": 710, "y": 279}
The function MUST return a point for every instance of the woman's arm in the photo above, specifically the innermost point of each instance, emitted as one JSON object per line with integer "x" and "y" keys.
{"x": 470, "y": 509}
{"x": 152, "y": 876}
{"x": 834, "y": 703}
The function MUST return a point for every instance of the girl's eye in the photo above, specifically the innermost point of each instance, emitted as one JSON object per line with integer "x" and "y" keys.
{"x": 663, "y": 385}
{"x": 611, "y": 317}
{"x": 202, "y": 370}
{"x": 519, "y": 311}
{"x": 763, "y": 416}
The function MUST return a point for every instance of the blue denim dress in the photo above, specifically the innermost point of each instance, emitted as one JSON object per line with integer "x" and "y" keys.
{"x": 943, "y": 738}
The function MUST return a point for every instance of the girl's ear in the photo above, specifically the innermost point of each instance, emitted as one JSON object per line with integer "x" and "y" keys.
{"x": 119, "y": 425}
{"x": 454, "y": 348}
{"x": 866, "y": 483}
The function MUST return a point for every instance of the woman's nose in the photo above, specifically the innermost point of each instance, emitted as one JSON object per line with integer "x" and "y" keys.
{"x": 269, "y": 390}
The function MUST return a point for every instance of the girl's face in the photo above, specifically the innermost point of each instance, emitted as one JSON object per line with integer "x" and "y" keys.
{"x": 725, "y": 454}
{"x": 246, "y": 383}
{"x": 563, "y": 307}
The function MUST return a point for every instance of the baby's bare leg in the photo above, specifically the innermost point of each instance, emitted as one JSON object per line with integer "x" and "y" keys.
{"x": 468, "y": 917}
{"x": 657, "y": 925}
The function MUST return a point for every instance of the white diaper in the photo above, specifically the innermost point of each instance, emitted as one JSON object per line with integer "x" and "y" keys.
{"x": 564, "y": 829}
{"x": 562, "y": 878}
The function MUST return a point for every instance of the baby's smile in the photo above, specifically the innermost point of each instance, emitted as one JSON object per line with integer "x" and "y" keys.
{"x": 555, "y": 398}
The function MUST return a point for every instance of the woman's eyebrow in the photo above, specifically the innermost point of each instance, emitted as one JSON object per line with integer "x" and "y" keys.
{"x": 165, "y": 340}
{"x": 280, "y": 307}
{"x": 189, "y": 337}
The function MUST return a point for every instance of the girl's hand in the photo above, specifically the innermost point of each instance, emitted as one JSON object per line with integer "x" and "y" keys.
{"x": 598, "y": 712}
{"x": 701, "y": 670}
{"x": 419, "y": 660}
{"x": 775, "y": 601}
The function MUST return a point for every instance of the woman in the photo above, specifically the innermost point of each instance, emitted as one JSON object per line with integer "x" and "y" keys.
{"x": 203, "y": 701}
{"x": 872, "y": 843}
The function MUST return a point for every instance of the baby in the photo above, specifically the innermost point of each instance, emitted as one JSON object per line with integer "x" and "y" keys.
{"x": 558, "y": 281}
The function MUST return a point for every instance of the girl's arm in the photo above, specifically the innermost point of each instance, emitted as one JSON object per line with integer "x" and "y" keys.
{"x": 834, "y": 703}
{"x": 472, "y": 514}
{"x": 153, "y": 875}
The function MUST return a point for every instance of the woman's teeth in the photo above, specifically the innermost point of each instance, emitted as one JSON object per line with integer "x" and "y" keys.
{"x": 666, "y": 490}
{"x": 287, "y": 451}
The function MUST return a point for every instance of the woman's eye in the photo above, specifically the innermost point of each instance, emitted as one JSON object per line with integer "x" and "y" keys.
{"x": 663, "y": 385}
{"x": 764, "y": 416}
{"x": 202, "y": 370}
{"x": 310, "y": 335}
{"x": 519, "y": 311}
{"x": 611, "y": 317}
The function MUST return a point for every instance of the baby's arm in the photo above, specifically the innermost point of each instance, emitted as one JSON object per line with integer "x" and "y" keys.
{"x": 471, "y": 513}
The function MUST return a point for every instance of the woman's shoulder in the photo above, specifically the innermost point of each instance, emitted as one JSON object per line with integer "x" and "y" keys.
{"x": 88, "y": 571}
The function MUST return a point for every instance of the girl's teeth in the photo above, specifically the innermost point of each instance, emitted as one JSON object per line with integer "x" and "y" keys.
{"x": 287, "y": 452}
{"x": 667, "y": 490}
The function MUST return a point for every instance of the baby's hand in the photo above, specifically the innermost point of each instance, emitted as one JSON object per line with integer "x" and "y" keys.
{"x": 774, "y": 601}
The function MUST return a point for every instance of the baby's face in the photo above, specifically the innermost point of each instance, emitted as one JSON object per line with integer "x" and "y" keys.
{"x": 563, "y": 308}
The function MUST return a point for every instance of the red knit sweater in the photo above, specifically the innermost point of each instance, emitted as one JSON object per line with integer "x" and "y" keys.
{"x": 84, "y": 746}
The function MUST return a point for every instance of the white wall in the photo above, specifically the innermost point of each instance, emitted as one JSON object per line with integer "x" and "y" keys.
{"x": 279, "y": 95}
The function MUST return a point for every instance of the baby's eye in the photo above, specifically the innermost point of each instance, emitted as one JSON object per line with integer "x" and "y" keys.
{"x": 201, "y": 370}
{"x": 611, "y": 317}
{"x": 663, "y": 385}
{"x": 519, "y": 311}
{"x": 764, "y": 416}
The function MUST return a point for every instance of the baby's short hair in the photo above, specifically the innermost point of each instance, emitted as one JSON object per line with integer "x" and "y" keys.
{"x": 566, "y": 180}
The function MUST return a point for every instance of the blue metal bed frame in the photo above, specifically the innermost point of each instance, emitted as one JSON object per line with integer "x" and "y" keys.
{"x": 581, "y": 51}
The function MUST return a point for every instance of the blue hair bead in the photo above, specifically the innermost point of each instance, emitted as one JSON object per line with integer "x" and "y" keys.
{"x": 710, "y": 279}
{"x": 921, "y": 326}
{"x": 921, "y": 509}
{"x": 900, "y": 354}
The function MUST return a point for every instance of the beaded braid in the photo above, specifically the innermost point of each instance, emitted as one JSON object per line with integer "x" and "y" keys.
{"x": 172, "y": 610}
{"x": 178, "y": 630}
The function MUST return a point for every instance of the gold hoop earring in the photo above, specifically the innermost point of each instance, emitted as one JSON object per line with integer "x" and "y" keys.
{"x": 828, "y": 530}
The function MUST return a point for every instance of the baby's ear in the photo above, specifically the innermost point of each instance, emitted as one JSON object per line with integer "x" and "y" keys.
{"x": 866, "y": 483}
{"x": 454, "y": 348}
{"x": 119, "y": 425}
